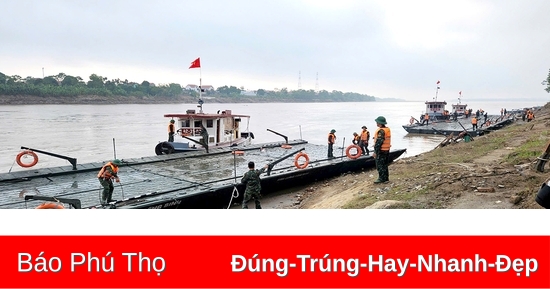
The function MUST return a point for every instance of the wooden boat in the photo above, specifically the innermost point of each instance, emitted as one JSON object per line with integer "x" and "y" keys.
{"x": 190, "y": 180}
{"x": 224, "y": 129}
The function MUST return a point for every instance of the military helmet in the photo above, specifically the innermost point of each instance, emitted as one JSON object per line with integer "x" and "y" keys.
{"x": 381, "y": 120}
{"x": 332, "y": 131}
{"x": 172, "y": 121}
{"x": 365, "y": 127}
{"x": 116, "y": 162}
{"x": 354, "y": 133}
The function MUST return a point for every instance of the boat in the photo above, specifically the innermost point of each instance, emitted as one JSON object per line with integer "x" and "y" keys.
{"x": 461, "y": 124}
{"x": 436, "y": 109}
{"x": 185, "y": 181}
{"x": 459, "y": 108}
{"x": 224, "y": 129}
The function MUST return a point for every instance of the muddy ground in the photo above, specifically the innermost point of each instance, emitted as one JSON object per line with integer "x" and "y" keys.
{"x": 495, "y": 171}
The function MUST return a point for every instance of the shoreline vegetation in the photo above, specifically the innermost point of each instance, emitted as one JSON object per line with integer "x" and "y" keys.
{"x": 97, "y": 100}
{"x": 67, "y": 89}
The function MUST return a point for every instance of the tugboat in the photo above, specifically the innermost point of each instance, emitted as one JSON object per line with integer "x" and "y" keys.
{"x": 459, "y": 108}
{"x": 221, "y": 129}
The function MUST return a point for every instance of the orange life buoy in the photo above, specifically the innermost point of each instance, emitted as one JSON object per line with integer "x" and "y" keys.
{"x": 299, "y": 156}
{"x": 488, "y": 123}
{"x": 24, "y": 153}
{"x": 356, "y": 155}
{"x": 238, "y": 153}
{"x": 185, "y": 131}
{"x": 285, "y": 146}
{"x": 51, "y": 206}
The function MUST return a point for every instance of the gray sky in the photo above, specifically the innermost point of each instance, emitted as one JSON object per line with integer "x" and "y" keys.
{"x": 390, "y": 49}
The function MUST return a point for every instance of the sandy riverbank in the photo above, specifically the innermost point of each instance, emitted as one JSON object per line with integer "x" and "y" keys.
{"x": 495, "y": 171}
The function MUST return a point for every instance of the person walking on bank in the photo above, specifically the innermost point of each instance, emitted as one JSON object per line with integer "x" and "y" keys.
{"x": 105, "y": 176}
{"x": 171, "y": 130}
{"x": 331, "y": 141}
{"x": 364, "y": 141}
{"x": 253, "y": 186}
{"x": 382, "y": 144}
{"x": 474, "y": 123}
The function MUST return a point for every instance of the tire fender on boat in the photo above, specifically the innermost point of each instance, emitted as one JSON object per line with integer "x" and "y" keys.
{"x": 299, "y": 156}
{"x": 51, "y": 206}
{"x": 286, "y": 146}
{"x": 355, "y": 156}
{"x": 25, "y": 165}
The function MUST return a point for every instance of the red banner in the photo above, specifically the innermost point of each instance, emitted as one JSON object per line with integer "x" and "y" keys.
{"x": 275, "y": 261}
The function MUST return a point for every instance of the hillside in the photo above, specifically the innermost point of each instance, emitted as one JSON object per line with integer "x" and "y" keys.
{"x": 493, "y": 171}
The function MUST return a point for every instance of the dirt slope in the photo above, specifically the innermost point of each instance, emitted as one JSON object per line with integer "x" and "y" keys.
{"x": 493, "y": 171}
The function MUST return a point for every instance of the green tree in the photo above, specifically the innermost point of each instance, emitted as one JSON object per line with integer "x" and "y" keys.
{"x": 260, "y": 92}
{"x": 72, "y": 81}
{"x": 96, "y": 81}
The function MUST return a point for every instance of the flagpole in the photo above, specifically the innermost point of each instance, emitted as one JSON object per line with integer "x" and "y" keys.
{"x": 436, "y": 90}
{"x": 200, "y": 87}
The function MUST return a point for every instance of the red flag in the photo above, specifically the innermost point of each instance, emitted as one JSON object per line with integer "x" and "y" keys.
{"x": 438, "y": 82}
{"x": 196, "y": 63}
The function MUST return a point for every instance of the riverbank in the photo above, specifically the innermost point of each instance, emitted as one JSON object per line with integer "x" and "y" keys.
{"x": 495, "y": 171}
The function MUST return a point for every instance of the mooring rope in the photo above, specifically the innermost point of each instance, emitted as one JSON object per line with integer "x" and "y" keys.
{"x": 234, "y": 195}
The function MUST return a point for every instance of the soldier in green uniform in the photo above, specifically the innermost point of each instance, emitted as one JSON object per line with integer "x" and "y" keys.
{"x": 253, "y": 187}
{"x": 382, "y": 144}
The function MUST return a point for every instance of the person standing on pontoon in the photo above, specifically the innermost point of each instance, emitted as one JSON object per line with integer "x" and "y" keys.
{"x": 171, "y": 130}
{"x": 106, "y": 175}
{"x": 331, "y": 141}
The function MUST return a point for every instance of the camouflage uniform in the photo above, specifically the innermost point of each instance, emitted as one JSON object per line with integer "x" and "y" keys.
{"x": 105, "y": 177}
{"x": 382, "y": 158}
{"x": 253, "y": 187}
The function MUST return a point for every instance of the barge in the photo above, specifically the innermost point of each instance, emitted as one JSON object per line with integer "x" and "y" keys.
{"x": 185, "y": 181}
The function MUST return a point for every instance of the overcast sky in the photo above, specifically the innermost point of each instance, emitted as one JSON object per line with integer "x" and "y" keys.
{"x": 389, "y": 49}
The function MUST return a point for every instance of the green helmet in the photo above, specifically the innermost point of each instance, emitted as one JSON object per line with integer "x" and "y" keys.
{"x": 172, "y": 121}
{"x": 332, "y": 131}
{"x": 116, "y": 162}
{"x": 381, "y": 120}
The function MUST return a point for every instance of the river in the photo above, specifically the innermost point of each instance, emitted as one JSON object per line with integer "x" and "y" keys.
{"x": 86, "y": 132}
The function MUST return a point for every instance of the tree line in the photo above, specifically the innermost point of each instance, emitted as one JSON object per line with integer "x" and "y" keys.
{"x": 63, "y": 85}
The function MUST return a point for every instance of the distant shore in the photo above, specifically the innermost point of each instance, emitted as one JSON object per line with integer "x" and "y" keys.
{"x": 94, "y": 99}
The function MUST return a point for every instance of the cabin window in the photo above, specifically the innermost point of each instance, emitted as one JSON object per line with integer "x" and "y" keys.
{"x": 197, "y": 123}
{"x": 186, "y": 123}
{"x": 209, "y": 123}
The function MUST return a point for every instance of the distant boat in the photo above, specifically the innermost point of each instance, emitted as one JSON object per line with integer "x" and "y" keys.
{"x": 224, "y": 128}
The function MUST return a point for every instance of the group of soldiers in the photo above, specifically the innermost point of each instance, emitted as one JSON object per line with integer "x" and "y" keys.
{"x": 382, "y": 144}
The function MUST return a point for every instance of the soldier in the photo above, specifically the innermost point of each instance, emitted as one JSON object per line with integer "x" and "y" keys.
{"x": 331, "y": 141}
{"x": 355, "y": 139}
{"x": 106, "y": 175}
{"x": 171, "y": 130}
{"x": 253, "y": 187}
{"x": 382, "y": 144}
{"x": 364, "y": 141}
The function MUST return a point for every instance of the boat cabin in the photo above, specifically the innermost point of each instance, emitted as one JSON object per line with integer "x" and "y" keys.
{"x": 435, "y": 108}
{"x": 459, "y": 108}
{"x": 224, "y": 128}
